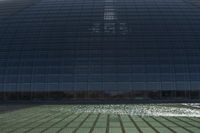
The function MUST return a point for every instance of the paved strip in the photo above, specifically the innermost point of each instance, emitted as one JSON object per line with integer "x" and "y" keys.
{"x": 22, "y": 117}
{"x": 193, "y": 119}
{"x": 121, "y": 124}
{"x": 164, "y": 125}
{"x": 107, "y": 124}
{"x": 68, "y": 123}
{"x": 134, "y": 123}
{"x": 149, "y": 125}
{"x": 14, "y": 120}
{"x": 27, "y": 119}
{"x": 19, "y": 112}
{"x": 53, "y": 124}
{"x": 60, "y": 114}
{"x": 26, "y": 124}
{"x": 56, "y": 123}
{"x": 187, "y": 123}
{"x": 178, "y": 125}
{"x": 94, "y": 124}
{"x": 75, "y": 130}
{"x": 8, "y": 108}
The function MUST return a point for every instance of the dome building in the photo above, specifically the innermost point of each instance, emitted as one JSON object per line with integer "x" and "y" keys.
{"x": 135, "y": 50}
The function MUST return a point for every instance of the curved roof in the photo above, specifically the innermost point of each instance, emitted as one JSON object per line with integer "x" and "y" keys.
{"x": 113, "y": 45}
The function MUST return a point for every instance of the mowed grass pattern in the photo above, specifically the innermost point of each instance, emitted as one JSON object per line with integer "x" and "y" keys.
{"x": 65, "y": 119}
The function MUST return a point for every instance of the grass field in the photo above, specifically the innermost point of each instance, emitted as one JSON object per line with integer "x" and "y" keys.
{"x": 101, "y": 119}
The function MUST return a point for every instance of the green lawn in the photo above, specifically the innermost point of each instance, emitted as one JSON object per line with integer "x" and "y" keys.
{"x": 97, "y": 119}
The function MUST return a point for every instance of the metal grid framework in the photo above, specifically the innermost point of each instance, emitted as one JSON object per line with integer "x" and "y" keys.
{"x": 41, "y": 119}
{"x": 112, "y": 47}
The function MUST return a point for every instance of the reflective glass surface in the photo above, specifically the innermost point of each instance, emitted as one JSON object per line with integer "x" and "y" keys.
{"x": 99, "y": 49}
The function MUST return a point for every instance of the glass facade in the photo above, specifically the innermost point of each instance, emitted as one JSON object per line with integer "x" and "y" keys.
{"x": 100, "y": 49}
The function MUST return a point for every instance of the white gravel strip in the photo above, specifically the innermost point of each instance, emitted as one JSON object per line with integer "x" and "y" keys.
{"x": 138, "y": 110}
